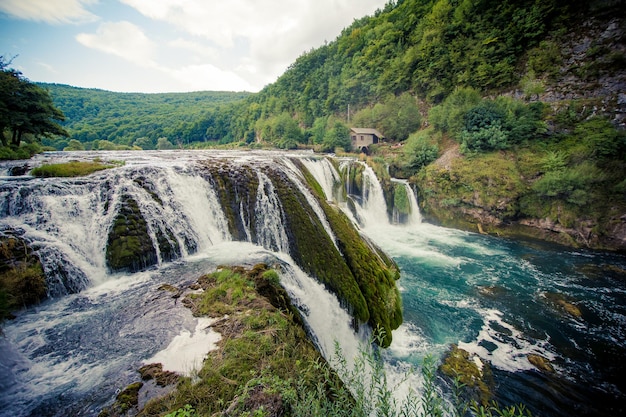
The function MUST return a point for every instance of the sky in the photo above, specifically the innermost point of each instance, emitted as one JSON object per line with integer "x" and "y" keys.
{"x": 156, "y": 46}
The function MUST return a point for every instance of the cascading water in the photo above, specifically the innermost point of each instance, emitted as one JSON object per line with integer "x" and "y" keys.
{"x": 492, "y": 297}
{"x": 270, "y": 217}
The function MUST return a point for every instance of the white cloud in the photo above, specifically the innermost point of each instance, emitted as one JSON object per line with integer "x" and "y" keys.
{"x": 275, "y": 32}
{"x": 56, "y": 12}
{"x": 208, "y": 77}
{"x": 200, "y": 50}
{"x": 122, "y": 39}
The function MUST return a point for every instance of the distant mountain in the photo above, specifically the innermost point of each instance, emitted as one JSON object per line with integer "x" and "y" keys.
{"x": 135, "y": 118}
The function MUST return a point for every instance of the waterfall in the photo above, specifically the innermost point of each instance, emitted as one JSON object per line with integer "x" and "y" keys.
{"x": 325, "y": 174}
{"x": 179, "y": 204}
{"x": 414, "y": 216}
{"x": 328, "y": 322}
{"x": 270, "y": 231}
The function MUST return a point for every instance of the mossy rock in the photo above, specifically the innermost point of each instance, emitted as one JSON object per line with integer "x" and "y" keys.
{"x": 373, "y": 272}
{"x": 541, "y": 363}
{"x": 478, "y": 381}
{"x": 563, "y": 304}
{"x": 236, "y": 189}
{"x": 129, "y": 246}
{"x": 22, "y": 279}
{"x": 155, "y": 372}
{"x": 125, "y": 401}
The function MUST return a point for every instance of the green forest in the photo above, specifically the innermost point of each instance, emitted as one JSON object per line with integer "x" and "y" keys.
{"x": 530, "y": 90}
{"x": 105, "y": 120}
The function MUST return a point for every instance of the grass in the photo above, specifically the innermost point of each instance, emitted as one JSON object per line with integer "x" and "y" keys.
{"x": 265, "y": 365}
{"x": 72, "y": 168}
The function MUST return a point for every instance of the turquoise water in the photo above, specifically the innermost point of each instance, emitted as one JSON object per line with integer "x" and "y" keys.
{"x": 503, "y": 300}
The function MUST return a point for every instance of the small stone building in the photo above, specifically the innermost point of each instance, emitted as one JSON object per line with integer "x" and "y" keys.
{"x": 362, "y": 138}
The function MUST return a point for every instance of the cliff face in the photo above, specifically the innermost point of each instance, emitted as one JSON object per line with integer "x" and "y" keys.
{"x": 567, "y": 184}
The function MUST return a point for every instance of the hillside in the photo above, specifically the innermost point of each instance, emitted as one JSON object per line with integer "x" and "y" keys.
{"x": 134, "y": 119}
{"x": 532, "y": 92}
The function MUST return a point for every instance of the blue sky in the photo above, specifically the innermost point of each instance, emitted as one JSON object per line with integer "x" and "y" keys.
{"x": 168, "y": 45}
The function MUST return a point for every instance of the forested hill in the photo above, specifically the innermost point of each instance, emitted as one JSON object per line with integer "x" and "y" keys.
{"x": 102, "y": 119}
{"x": 429, "y": 48}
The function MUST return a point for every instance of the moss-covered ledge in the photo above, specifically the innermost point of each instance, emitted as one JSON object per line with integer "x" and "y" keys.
{"x": 374, "y": 272}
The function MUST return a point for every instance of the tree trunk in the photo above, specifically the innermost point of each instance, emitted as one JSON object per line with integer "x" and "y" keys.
{"x": 17, "y": 137}
{"x": 5, "y": 142}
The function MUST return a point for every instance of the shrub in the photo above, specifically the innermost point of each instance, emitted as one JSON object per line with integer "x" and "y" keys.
{"x": 485, "y": 139}
{"x": 449, "y": 115}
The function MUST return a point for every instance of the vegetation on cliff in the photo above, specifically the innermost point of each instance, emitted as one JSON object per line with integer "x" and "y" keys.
{"x": 22, "y": 279}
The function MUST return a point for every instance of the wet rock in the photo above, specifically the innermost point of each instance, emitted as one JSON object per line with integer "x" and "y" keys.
{"x": 562, "y": 304}
{"x": 470, "y": 371}
{"x": 129, "y": 246}
{"x": 155, "y": 372}
{"x": 22, "y": 279}
{"x": 541, "y": 363}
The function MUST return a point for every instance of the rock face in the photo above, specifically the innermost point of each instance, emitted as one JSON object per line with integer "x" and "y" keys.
{"x": 129, "y": 246}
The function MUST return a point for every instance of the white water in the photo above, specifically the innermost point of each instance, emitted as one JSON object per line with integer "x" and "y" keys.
{"x": 269, "y": 228}
{"x": 187, "y": 351}
{"x": 72, "y": 345}
{"x": 95, "y": 339}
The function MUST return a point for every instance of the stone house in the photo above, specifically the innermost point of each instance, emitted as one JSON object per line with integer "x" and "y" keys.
{"x": 362, "y": 138}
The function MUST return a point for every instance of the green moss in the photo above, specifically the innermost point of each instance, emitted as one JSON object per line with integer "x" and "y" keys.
{"x": 313, "y": 250}
{"x": 129, "y": 245}
{"x": 236, "y": 190}
{"x": 70, "y": 169}
{"x": 22, "y": 279}
{"x": 457, "y": 364}
{"x": 258, "y": 339}
{"x": 372, "y": 272}
{"x": 401, "y": 199}
{"x": 129, "y": 397}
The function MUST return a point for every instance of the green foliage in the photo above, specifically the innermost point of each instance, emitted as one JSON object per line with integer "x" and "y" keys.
{"x": 487, "y": 125}
{"x": 74, "y": 145}
{"x": 572, "y": 184}
{"x": 396, "y": 117}
{"x": 337, "y": 137}
{"x": 186, "y": 411}
{"x": 544, "y": 58}
{"x": 25, "y": 108}
{"x": 71, "y": 169}
{"x": 125, "y": 118}
{"x": 282, "y": 131}
{"x": 24, "y": 151}
{"x": 449, "y": 116}
{"x": 484, "y": 139}
{"x": 488, "y": 181}
{"x": 164, "y": 144}
{"x": 411, "y": 49}
{"x": 599, "y": 140}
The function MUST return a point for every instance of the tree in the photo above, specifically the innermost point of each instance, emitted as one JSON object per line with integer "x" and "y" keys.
{"x": 164, "y": 143}
{"x": 26, "y": 108}
{"x": 337, "y": 137}
{"x": 74, "y": 145}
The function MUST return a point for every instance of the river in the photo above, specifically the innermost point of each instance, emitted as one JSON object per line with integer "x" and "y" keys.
{"x": 499, "y": 299}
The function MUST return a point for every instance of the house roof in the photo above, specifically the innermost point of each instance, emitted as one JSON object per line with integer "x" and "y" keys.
{"x": 366, "y": 131}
